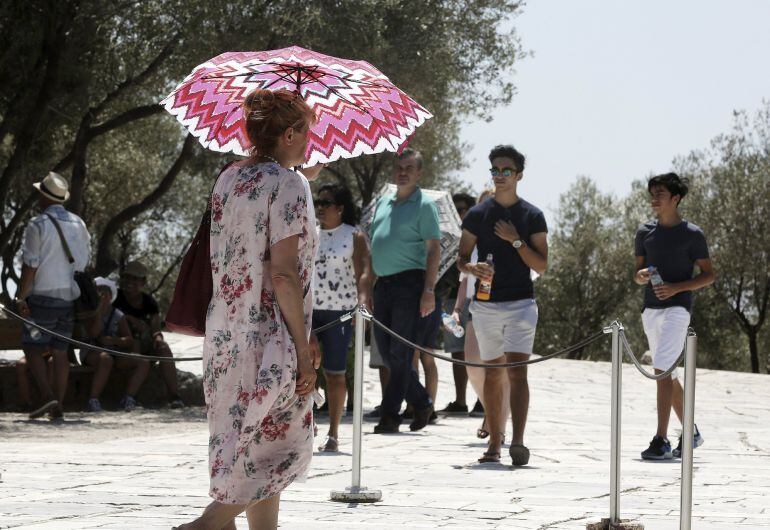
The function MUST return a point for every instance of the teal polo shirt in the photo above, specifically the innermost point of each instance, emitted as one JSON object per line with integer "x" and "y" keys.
{"x": 399, "y": 231}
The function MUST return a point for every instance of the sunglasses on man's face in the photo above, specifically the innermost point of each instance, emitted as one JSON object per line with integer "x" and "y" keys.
{"x": 502, "y": 171}
{"x": 325, "y": 203}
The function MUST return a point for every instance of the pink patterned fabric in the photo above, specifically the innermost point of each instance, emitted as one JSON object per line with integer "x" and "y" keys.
{"x": 261, "y": 433}
{"x": 359, "y": 110}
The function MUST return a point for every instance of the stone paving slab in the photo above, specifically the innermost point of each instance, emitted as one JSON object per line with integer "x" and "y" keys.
{"x": 148, "y": 469}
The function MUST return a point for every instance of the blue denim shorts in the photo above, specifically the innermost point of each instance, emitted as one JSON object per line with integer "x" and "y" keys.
{"x": 51, "y": 313}
{"x": 335, "y": 341}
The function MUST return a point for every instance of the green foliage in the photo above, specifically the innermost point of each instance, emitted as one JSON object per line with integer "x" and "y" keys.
{"x": 80, "y": 80}
{"x": 589, "y": 271}
{"x": 731, "y": 201}
{"x": 589, "y": 279}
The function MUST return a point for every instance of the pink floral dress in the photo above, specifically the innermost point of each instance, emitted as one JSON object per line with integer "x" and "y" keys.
{"x": 261, "y": 433}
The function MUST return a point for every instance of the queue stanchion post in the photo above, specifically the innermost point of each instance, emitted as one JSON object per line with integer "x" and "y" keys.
{"x": 617, "y": 375}
{"x": 356, "y": 492}
{"x": 688, "y": 430}
{"x": 614, "y": 521}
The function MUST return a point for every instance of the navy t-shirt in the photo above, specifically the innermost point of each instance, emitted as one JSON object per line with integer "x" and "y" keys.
{"x": 144, "y": 313}
{"x": 673, "y": 250}
{"x": 512, "y": 279}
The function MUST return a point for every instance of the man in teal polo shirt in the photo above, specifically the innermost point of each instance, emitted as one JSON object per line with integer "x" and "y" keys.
{"x": 405, "y": 257}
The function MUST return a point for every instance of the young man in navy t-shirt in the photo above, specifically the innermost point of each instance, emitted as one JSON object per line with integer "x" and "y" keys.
{"x": 673, "y": 246}
{"x": 514, "y": 232}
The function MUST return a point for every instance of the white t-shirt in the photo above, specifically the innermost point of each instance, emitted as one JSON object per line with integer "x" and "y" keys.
{"x": 335, "y": 279}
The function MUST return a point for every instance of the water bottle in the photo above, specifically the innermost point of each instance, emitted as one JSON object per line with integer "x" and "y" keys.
{"x": 655, "y": 278}
{"x": 34, "y": 333}
{"x": 452, "y": 325}
{"x": 485, "y": 287}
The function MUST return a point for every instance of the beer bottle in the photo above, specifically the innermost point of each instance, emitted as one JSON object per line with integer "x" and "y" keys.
{"x": 485, "y": 287}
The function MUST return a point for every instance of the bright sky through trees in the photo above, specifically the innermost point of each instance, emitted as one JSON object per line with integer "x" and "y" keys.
{"x": 615, "y": 90}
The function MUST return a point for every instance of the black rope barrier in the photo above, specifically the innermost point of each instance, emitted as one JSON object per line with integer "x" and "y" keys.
{"x": 578, "y": 345}
{"x": 640, "y": 368}
{"x": 368, "y": 316}
{"x": 117, "y": 353}
{"x": 344, "y": 318}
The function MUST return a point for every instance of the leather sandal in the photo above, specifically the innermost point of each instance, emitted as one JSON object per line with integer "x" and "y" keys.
{"x": 490, "y": 457}
{"x": 481, "y": 432}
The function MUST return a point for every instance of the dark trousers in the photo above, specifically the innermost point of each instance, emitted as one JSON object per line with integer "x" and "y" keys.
{"x": 397, "y": 305}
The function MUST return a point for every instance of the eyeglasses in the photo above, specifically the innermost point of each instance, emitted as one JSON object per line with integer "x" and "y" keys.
{"x": 504, "y": 171}
{"x": 324, "y": 203}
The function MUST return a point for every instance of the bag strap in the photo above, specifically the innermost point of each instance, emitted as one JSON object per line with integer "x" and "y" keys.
{"x": 61, "y": 237}
{"x": 211, "y": 195}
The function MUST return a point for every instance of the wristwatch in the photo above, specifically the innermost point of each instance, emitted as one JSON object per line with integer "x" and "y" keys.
{"x": 430, "y": 290}
{"x": 518, "y": 243}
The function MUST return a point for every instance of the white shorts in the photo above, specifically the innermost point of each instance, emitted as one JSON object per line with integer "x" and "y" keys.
{"x": 504, "y": 327}
{"x": 666, "y": 331}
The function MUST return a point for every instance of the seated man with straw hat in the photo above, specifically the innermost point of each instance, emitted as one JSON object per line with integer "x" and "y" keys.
{"x": 47, "y": 289}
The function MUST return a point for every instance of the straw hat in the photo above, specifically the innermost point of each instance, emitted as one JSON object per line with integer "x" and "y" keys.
{"x": 53, "y": 187}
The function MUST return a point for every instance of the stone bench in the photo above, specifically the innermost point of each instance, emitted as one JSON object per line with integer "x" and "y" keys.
{"x": 152, "y": 394}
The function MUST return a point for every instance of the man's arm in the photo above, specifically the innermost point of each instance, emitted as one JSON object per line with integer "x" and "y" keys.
{"x": 642, "y": 275}
{"x": 25, "y": 287}
{"x": 428, "y": 299}
{"x": 27, "y": 279}
{"x": 155, "y": 327}
{"x": 123, "y": 340}
{"x": 479, "y": 270}
{"x": 433, "y": 248}
{"x": 706, "y": 277}
{"x": 30, "y": 261}
{"x": 535, "y": 255}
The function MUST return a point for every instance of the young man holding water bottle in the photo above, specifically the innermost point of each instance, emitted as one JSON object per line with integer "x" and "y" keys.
{"x": 510, "y": 234}
{"x": 667, "y": 249}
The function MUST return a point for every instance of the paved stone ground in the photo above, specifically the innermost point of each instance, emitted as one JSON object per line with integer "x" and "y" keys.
{"x": 148, "y": 469}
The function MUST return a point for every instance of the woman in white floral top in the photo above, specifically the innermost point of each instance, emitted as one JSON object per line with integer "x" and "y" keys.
{"x": 259, "y": 370}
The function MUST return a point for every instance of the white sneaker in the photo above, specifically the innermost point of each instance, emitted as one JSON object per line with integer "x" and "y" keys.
{"x": 94, "y": 405}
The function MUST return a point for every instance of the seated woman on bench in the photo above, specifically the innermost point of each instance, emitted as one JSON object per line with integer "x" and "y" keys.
{"x": 111, "y": 331}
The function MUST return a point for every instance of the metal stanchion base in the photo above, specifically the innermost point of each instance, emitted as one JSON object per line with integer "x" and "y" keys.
{"x": 357, "y": 495}
{"x": 623, "y": 524}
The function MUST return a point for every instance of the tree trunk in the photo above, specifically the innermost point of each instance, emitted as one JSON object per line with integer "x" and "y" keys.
{"x": 78, "y": 178}
{"x": 53, "y": 48}
{"x": 105, "y": 263}
{"x": 754, "y": 350}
